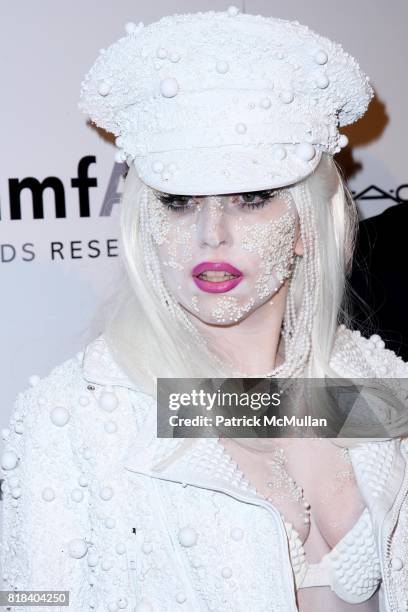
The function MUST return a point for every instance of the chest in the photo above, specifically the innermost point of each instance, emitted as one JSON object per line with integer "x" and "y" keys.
{"x": 310, "y": 482}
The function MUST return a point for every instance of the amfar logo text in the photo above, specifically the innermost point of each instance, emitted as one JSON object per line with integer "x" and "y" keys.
{"x": 82, "y": 182}
{"x": 50, "y": 249}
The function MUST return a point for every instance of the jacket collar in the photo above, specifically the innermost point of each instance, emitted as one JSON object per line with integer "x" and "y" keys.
{"x": 199, "y": 462}
{"x": 99, "y": 366}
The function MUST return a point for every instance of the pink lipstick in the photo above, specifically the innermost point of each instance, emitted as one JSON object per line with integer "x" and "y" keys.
{"x": 216, "y": 276}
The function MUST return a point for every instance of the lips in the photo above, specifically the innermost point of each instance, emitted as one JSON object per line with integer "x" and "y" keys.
{"x": 216, "y": 276}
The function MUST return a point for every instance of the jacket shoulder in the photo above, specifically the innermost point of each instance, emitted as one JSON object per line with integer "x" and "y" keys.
{"x": 41, "y": 423}
{"x": 75, "y": 395}
{"x": 355, "y": 355}
{"x": 58, "y": 388}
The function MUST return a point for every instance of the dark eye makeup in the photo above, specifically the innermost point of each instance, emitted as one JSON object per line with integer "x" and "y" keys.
{"x": 250, "y": 199}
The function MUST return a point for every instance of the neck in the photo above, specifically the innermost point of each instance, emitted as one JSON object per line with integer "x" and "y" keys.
{"x": 253, "y": 345}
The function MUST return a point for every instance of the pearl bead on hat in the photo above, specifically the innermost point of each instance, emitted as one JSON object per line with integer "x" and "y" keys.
{"x": 224, "y": 102}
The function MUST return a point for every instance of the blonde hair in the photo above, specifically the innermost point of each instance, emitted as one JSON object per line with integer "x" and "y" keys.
{"x": 148, "y": 342}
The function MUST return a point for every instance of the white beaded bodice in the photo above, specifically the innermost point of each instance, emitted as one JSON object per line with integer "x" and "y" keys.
{"x": 351, "y": 569}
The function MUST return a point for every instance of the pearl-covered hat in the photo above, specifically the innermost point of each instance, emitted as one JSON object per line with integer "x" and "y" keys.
{"x": 224, "y": 102}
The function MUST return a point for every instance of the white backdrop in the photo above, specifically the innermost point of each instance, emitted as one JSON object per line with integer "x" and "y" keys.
{"x": 48, "y": 302}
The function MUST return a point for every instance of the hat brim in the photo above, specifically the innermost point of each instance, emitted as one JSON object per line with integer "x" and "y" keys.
{"x": 224, "y": 170}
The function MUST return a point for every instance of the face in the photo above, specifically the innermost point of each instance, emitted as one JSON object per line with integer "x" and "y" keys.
{"x": 222, "y": 257}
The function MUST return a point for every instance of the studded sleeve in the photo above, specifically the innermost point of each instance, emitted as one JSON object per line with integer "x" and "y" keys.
{"x": 45, "y": 524}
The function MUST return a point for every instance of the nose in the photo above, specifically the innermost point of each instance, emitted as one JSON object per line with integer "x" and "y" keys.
{"x": 212, "y": 223}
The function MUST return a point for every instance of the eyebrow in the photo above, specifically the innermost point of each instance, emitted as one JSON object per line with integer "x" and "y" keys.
{"x": 184, "y": 196}
{"x": 173, "y": 195}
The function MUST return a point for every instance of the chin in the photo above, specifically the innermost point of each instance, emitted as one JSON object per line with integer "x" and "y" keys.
{"x": 224, "y": 319}
{"x": 217, "y": 323}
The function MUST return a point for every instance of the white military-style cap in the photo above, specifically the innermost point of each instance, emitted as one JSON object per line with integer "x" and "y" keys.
{"x": 224, "y": 102}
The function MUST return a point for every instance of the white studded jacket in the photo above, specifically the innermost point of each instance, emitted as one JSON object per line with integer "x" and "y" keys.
{"x": 85, "y": 511}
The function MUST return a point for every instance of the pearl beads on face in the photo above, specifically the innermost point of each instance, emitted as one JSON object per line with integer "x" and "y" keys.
{"x": 176, "y": 236}
{"x": 274, "y": 242}
{"x": 154, "y": 228}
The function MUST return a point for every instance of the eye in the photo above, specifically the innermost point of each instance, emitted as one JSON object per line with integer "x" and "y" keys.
{"x": 178, "y": 203}
{"x": 256, "y": 199}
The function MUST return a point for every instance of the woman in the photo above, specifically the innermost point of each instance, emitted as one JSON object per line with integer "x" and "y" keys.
{"x": 237, "y": 234}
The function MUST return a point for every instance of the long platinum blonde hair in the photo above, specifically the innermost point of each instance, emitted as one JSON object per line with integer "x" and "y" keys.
{"x": 150, "y": 335}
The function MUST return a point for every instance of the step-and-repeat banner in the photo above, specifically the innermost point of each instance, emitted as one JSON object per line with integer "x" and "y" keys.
{"x": 60, "y": 187}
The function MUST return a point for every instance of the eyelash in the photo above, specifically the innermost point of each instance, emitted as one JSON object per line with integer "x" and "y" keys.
{"x": 170, "y": 206}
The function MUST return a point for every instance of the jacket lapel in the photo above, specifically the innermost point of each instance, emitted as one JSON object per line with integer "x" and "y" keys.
{"x": 198, "y": 462}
